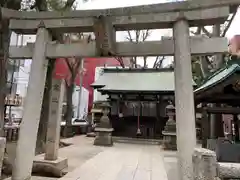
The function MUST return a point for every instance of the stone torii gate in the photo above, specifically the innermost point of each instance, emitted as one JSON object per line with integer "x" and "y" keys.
{"x": 104, "y": 23}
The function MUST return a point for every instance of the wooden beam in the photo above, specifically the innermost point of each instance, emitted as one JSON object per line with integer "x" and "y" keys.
{"x": 219, "y": 110}
{"x": 126, "y": 22}
{"x": 218, "y": 98}
{"x": 122, "y": 11}
{"x": 165, "y": 47}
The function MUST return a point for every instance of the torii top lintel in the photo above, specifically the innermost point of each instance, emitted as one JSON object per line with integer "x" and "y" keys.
{"x": 154, "y": 16}
{"x": 123, "y": 11}
{"x": 104, "y": 23}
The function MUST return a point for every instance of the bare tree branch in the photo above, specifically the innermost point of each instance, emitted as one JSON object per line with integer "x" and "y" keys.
{"x": 158, "y": 62}
{"x": 69, "y": 4}
{"x": 140, "y": 35}
{"x": 137, "y": 32}
{"x": 69, "y": 64}
{"x": 120, "y": 60}
{"x": 145, "y": 34}
{"x": 208, "y": 34}
{"x": 129, "y": 36}
{"x": 145, "y": 61}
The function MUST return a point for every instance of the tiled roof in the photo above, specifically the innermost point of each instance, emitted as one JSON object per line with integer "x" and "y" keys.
{"x": 218, "y": 77}
{"x": 141, "y": 80}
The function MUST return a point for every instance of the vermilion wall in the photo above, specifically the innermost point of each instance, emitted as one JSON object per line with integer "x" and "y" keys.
{"x": 90, "y": 64}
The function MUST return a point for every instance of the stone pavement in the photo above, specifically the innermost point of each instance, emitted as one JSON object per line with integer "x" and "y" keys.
{"x": 170, "y": 161}
{"x": 78, "y": 153}
{"x": 123, "y": 162}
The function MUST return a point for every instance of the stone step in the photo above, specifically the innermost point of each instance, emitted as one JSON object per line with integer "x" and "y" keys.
{"x": 137, "y": 140}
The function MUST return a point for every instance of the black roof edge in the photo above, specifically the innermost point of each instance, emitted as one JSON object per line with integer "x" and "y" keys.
{"x": 133, "y": 70}
{"x": 132, "y": 92}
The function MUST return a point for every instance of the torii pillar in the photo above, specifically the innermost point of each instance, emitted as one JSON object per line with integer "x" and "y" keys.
{"x": 26, "y": 144}
{"x": 184, "y": 101}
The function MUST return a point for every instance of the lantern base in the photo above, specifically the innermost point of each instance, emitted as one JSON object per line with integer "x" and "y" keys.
{"x": 170, "y": 136}
{"x": 169, "y": 140}
{"x": 103, "y": 137}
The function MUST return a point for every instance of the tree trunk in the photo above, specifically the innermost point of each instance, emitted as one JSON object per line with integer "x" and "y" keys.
{"x": 42, "y": 129}
{"x": 145, "y": 62}
{"x": 4, "y": 44}
{"x": 69, "y": 111}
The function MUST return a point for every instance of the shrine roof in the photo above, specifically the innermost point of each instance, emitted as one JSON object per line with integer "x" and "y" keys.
{"x": 136, "y": 80}
{"x": 218, "y": 77}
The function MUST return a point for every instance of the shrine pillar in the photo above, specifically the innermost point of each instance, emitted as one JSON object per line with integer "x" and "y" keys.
{"x": 184, "y": 101}
{"x": 25, "y": 151}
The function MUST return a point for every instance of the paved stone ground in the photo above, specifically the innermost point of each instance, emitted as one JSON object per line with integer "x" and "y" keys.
{"x": 170, "y": 161}
{"x": 123, "y": 161}
{"x": 77, "y": 154}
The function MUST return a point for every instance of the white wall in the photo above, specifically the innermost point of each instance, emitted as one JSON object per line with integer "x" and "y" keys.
{"x": 22, "y": 76}
{"x": 97, "y": 96}
{"x": 83, "y": 103}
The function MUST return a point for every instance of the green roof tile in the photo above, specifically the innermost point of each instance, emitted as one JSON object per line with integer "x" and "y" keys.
{"x": 219, "y": 76}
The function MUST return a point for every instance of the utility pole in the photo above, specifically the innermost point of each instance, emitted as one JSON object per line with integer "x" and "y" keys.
{"x": 80, "y": 89}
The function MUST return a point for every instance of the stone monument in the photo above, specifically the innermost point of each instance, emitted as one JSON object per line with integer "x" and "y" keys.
{"x": 104, "y": 128}
{"x": 169, "y": 132}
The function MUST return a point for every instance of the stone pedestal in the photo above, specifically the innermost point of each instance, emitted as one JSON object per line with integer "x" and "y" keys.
{"x": 104, "y": 128}
{"x": 60, "y": 163}
{"x": 170, "y": 135}
{"x": 204, "y": 164}
{"x": 103, "y": 137}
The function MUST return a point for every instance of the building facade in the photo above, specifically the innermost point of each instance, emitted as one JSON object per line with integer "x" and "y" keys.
{"x": 91, "y": 65}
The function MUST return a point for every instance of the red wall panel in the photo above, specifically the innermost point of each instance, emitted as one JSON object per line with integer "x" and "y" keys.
{"x": 90, "y": 64}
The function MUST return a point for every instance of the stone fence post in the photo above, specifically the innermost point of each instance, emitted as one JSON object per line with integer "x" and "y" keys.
{"x": 204, "y": 164}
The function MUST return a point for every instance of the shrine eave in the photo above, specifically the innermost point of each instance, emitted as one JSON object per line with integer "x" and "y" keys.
{"x": 136, "y": 81}
{"x": 214, "y": 89}
{"x": 218, "y": 77}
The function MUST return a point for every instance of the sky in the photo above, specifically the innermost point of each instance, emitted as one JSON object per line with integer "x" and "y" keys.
{"x": 155, "y": 34}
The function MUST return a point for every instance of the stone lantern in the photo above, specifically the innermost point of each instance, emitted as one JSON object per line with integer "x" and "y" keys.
{"x": 104, "y": 128}
{"x": 169, "y": 132}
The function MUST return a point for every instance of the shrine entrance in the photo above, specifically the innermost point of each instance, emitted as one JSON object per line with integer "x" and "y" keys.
{"x": 179, "y": 16}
